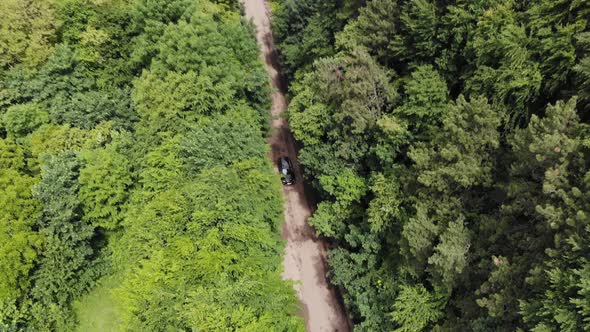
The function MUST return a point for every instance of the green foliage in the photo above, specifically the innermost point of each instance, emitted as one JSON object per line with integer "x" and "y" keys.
{"x": 69, "y": 91}
{"x": 223, "y": 140}
{"x": 347, "y": 189}
{"x": 475, "y": 201}
{"x": 418, "y": 32}
{"x": 394, "y": 31}
{"x": 305, "y": 30}
{"x": 105, "y": 181}
{"x": 209, "y": 243}
{"x": 97, "y": 311}
{"x": 369, "y": 286}
{"x": 203, "y": 65}
{"x": 376, "y": 29}
{"x": 426, "y": 98}
{"x": 56, "y": 139}
{"x": 216, "y": 46}
{"x": 499, "y": 303}
{"x": 582, "y": 68}
{"x": 12, "y": 155}
{"x": 162, "y": 218}
{"x": 23, "y": 119}
{"x": 415, "y": 309}
{"x": 162, "y": 166}
{"x": 66, "y": 268}
{"x": 347, "y": 96}
{"x": 450, "y": 255}
{"x": 19, "y": 242}
{"x": 386, "y": 204}
{"x": 151, "y": 17}
{"x": 505, "y": 72}
{"x": 100, "y": 35}
{"x": 420, "y": 234}
{"x": 177, "y": 100}
{"x": 460, "y": 153}
{"x": 559, "y": 214}
{"x": 28, "y": 29}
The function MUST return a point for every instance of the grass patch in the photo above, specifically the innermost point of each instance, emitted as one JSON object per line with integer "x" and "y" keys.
{"x": 96, "y": 311}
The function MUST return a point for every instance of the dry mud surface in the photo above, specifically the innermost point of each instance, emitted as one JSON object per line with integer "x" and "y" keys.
{"x": 305, "y": 254}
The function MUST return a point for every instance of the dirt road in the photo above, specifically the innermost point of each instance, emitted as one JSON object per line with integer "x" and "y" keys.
{"x": 305, "y": 254}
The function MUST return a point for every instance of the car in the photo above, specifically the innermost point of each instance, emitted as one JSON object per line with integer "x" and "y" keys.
{"x": 286, "y": 169}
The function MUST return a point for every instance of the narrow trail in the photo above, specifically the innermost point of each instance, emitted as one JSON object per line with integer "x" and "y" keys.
{"x": 305, "y": 254}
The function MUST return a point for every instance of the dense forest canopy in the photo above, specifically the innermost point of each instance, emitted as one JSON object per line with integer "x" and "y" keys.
{"x": 135, "y": 194}
{"x": 450, "y": 144}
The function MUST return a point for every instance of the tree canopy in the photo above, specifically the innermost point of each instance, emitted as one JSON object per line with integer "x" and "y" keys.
{"x": 448, "y": 141}
{"x": 133, "y": 170}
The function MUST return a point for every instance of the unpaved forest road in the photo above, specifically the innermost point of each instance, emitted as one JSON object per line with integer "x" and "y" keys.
{"x": 305, "y": 254}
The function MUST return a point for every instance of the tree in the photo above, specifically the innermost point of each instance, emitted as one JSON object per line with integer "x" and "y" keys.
{"x": 557, "y": 191}
{"x": 162, "y": 165}
{"x": 27, "y": 32}
{"x": 66, "y": 268}
{"x": 480, "y": 203}
{"x": 505, "y": 72}
{"x": 394, "y": 32}
{"x": 420, "y": 234}
{"x": 450, "y": 255}
{"x": 426, "y": 100}
{"x": 499, "y": 292}
{"x": 417, "y": 38}
{"x": 347, "y": 190}
{"x": 346, "y": 96}
{"x": 55, "y": 139}
{"x": 19, "y": 244}
{"x": 69, "y": 91}
{"x": 21, "y": 120}
{"x": 304, "y": 30}
{"x": 223, "y": 139}
{"x": 206, "y": 248}
{"x": 582, "y": 70}
{"x": 415, "y": 309}
{"x": 461, "y": 154}
{"x": 178, "y": 100}
{"x": 151, "y": 19}
{"x": 376, "y": 29}
{"x": 12, "y": 155}
{"x": 105, "y": 181}
{"x": 220, "y": 50}
{"x": 132, "y": 147}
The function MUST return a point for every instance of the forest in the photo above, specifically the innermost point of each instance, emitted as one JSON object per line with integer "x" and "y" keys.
{"x": 135, "y": 192}
{"x": 449, "y": 141}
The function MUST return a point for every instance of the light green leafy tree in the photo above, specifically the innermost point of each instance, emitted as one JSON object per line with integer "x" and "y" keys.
{"x": 105, "y": 181}
{"x": 415, "y": 309}
{"x": 19, "y": 241}
{"x": 223, "y": 139}
{"x": 21, "y": 120}
{"x": 27, "y": 32}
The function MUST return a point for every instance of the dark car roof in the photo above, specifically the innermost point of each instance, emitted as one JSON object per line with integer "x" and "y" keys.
{"x": 284, "y": 162}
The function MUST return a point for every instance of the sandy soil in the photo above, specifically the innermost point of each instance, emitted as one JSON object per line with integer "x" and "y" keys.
{"x": 305, "y": 254}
